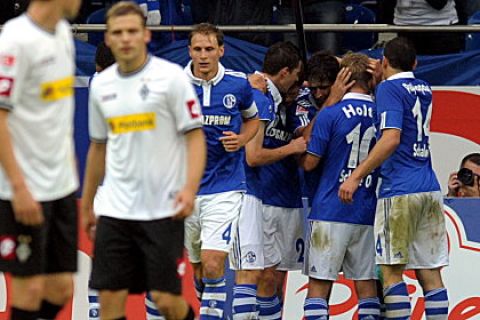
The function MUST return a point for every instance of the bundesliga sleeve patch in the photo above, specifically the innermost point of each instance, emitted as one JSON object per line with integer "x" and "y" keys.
{"x": 6, "y": 85}
{"x": 193, "y": 108}
{"x": 7, "y": 60}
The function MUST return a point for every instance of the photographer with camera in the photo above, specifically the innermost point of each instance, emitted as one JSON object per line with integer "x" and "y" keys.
{"x": 466, "y": 182}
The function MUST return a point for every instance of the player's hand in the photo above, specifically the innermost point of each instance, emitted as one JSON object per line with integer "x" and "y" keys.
{"x": 231, "y": 141}
{"x": 347, "y": 189}
{"x": 375, "y": 68}
{"x": 258, "y": 81}
{"x": 341, "y": 85}
{"x": 298, "y": 145}
{"x": 184, "y": 202}
{"x": 89, "y": 221}
{"x": 27, "y": 211}
{"x": 470, "y": 191}
{"x": 453, "y": 185}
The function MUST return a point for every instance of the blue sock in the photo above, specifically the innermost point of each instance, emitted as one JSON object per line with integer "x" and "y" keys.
{"x": 315, "y": 309}
{"x": 269, "y": 308}
{"x": 244, "y": 302}
{"x": 199, "y": 287}
{"x": 151, "y": 309}
{"x": 397, "y": 302}
{"x": 213, "y": 299}
{"x": 369, "y": 308}
{"x": 93, "y": 305}
{"x": 436, "y": 304}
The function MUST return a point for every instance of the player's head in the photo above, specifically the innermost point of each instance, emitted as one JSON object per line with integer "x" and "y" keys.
{"x": 69, "y": 8}
{"x": 399, "y": 54}
{"x": 103, "y": 57}
{"x": 126, "y": 33}
{"x": 283, "y": 65}
{"x": 205, "y": 46}
{"x": 321, "y": 71}
{"x": 357, "y": 63}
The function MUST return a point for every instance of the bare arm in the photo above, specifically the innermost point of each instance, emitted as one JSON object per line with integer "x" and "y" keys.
{"x": 196, "y": 160}
{"x": 94, "y": 173}
{"x": 257, "y": 155}
{"x": 233, "y": 142}
{"x": 309, "y": 161}
{"x": 27, "y": 210}
{"x": 387, "y": 144}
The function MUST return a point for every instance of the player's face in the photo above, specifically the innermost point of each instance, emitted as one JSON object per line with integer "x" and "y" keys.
{"x": 320, "y": 91}
{"x": 205, "y": 53}
{"x": 71, "y": 8}
{"x": 127, "y": 37}
{"x": 289, "y": 78}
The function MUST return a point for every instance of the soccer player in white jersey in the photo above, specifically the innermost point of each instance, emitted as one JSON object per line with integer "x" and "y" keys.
{"x": 229, "y": 121}
{"x": 342, "y": 235}
{"x": 38, "y": 176}
{"x": 410, "y": 230}
{"x": 148, "y": 147}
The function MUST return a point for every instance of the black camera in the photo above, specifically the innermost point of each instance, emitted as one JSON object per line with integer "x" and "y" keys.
{"x": 465, "y": 176}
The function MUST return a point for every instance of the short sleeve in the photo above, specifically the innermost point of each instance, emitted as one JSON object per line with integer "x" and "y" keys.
{"x": 97, "y": 125}
{"x": 389, "y": 106}
{"x": 184, "y": 103}
{"x": 321, "y": 134}
{"x": 264, "y": 105}
{"x": 13, "y": 68}
{"x": 248, "y": 108}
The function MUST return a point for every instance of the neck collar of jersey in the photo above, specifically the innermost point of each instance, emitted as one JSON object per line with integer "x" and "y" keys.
{"x": 357, "y": 96}
{"x": 402, "y": 75}
{"x": 135, "y": 72}
{"x": 39, "y": 27}
{"x": 277, "y": 97}
{"x": 199, "y": 82}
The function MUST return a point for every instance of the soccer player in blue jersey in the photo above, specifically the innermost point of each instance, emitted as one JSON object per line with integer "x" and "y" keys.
{"x": 230, "y": 121}
{"x": 342, "y": 235}
{"x": 269, "y": 156}
{"x": 410, "y": 230}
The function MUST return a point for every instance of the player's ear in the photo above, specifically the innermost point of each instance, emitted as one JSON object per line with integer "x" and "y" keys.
{"x": 222, "y": 50}
{"x": 415, "y": 64}
{"x": 147, "y": 36}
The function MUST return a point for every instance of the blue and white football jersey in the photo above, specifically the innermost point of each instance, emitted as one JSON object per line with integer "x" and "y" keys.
{"x": 405, "y": 103}
{"x": 280, "y": 180}
{"x": 226, "y": 100}
{"x": 265, "y": 106}
{"x": 342, "y": 136}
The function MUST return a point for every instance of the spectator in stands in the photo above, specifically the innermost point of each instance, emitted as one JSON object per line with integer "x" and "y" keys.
{"x": 428, "y": 13}
{"x": 466, "y": 182}
{"x": 315, "y": 11}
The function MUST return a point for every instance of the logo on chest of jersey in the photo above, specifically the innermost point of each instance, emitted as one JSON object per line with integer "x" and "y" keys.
{"x": 56, "y": 90}
{"x": 279, "y": 134}
{"x": 132, "y": 123}
{"x": 108, "y": 97}
{"x": 229, "y": 101}
{"x": 216, "y": 120}
{"x": 6, "y": 85}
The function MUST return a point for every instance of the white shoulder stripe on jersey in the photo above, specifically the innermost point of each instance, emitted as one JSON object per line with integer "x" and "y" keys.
{"x": 236, "y": 74}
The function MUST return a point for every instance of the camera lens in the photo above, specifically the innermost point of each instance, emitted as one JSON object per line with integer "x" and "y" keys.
{"x": 465, "y": 176}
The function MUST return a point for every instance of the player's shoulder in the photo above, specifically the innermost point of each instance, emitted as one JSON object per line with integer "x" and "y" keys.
{"x": 235, "y": 74}
{"x": 235, "y": 79}
{"x": 161, "y": 68}
{"x": 17, "y": 30}
{"x": 106, "y": 76}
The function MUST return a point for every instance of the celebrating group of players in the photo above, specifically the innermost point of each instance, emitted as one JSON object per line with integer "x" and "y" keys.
{"x": 231, "y": 155}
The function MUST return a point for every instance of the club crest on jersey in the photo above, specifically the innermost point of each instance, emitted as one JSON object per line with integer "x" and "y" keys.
{"x": 144, "y": 91}
{"x": 229, "y": 101}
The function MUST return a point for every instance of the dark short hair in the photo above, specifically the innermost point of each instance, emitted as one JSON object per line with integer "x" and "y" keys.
{"x": 279, "y": 56}
{"x": 206, "y": 29}
{"x": 322, "y": 67}
{"x": 124, "y": 8}
{"x": 472, "y": 157}
{"x": 400, "y": 53}
{"x": 357, "y": 63}
{"x": 103, "y": 56}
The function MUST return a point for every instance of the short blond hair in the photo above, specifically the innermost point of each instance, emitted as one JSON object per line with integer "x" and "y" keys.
{"x": 124, "y": 8}
{"x": 357, "y": 63}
